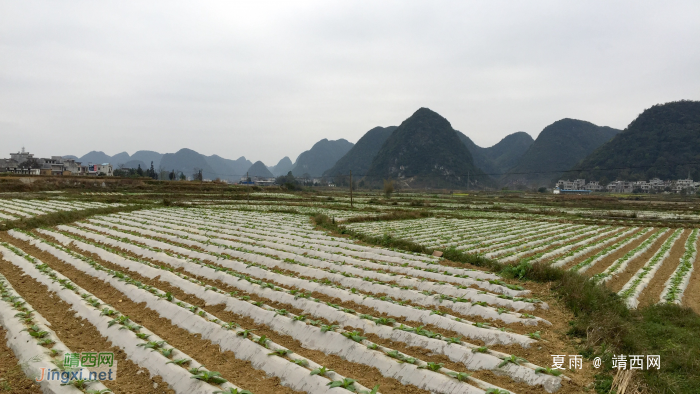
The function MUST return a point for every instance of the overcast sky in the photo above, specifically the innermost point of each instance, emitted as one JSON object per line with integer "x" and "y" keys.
{"x": 269, "y": 79}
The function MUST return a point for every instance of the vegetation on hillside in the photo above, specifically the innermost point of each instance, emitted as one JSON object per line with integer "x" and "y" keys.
{"x": 425, "y": 150}
{"x": 558, "y": 147}
{"x": 359, "y": 158}
{"x": 662, "y": 142}
{"x": 322, "y": 156}
{"x": 503, "y": 156}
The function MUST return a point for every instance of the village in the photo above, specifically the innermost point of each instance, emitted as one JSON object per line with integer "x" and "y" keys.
{"x": 655, "y": 185}
{"x": 24, "y": 163}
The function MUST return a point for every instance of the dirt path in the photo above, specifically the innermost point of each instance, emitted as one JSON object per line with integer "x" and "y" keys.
{"x": 616, "y": 283}
{"x": 236, "y": 371}
{"x": 79, "y": 335}
{"x": 611, "y": 258}
{"x": 12, "y": 378}
{"x": 651, "y": 294}
{"x": 691, "y": 297}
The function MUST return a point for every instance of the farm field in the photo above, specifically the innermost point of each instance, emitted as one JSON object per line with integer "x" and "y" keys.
{"x": 15, "y": 209}
{"x": 222, "y": 295}
{"x": 270, "y": 304}
{"x": 644, "y": 265}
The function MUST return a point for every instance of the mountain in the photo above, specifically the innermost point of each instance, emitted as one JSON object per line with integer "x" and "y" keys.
{"x": 70, "y": 157}
{"x": 136, "y": 164}
{"x": 260, "y": 170}
{"x": 503, "y": 156}
{"x": 322, "y": 156}
{"x": 119, "y": 158}
{"x": 558, "y": 148}
{"x": 361, "y": 155}
{"x": 232, "y": 170}
{"x": 186, "y": 161}
{"x": 283, "y": 167}
{"x": 95, "y": 157}
{"x": 425, "y": 151}
{"x": 148, "y": 156}
{"x": 662, "y": 142}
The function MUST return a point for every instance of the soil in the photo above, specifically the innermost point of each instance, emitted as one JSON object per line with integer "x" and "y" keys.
{"x": 79, "y": 335}
{"x": 12, "y": 378}
{"x": 370, "y": 376}
{"x": 618, "y": 282}
{"x": 691, "y": 296}
{"x": 611, "y": 258}
{"x": 605, "y": 262}
{"x": 208, "y": 354}
{"x": 652, "y": 293}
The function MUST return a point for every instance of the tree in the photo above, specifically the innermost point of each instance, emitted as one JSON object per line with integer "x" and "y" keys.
{"x": 183, "y": 177}
{"x": 171, "y": 176}
{"x": 152, "y": 172}
{"x": 542, "y": 190}
{"x": 197, "y": 176}
{"x": 139, "y": 170}
{"x": 388, "y": 187}
{"x": 30, "y": 163}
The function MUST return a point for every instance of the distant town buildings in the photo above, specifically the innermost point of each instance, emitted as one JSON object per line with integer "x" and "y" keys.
{"x": 656, "y": 185}
{"x": 25, "y": 163}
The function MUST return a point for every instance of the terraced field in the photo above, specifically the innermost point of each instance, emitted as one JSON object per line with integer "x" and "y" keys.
{"x": 22, "y": 209}
{"x": 645, "y": 265}
{"x": 203, "y": 300}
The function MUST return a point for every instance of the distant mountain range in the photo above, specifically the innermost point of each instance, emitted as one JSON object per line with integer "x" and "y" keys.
{"x": 425, "y": 151}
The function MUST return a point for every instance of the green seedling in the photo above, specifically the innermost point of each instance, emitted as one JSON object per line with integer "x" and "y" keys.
{"x": 548, "y": 371}
{"x": 480, "y": 349}
{"x": 355, "y": 336}
{"x": 209, "y": 377}
{"x": 280, "y": 352}
{"x": 534, "y": 335}
{"x": 513, "y": 359}
{"x": 461, "y": 376}
{"x": 321, "y": 371}
{"x": 232, "y": 390}
{"x": 432, "y": 366}
{"x": 347, "y": 384}
{"x": 181, "y": 362}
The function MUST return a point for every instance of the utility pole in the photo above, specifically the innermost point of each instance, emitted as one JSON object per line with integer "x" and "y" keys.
{"x": 247, "y": 178}
{"x": 351, "y": 189}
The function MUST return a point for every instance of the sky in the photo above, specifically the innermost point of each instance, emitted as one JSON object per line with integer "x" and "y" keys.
{"x": 265, "y": 79}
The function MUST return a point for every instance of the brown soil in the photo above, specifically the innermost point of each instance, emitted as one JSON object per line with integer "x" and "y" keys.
{"x": 608, "y": 261}
{"x": 608, "y": 235}
{"x": 651, "y": 294}
{"x": 618, "y": 282}
{"x": 691, "y": 296}
{"x": 79, "y": 335}
{"x": 610, "y": 258}
{"x": 366, "y": 376}
{"x": 236, "y": 371}
{"x": 12, "y": 378}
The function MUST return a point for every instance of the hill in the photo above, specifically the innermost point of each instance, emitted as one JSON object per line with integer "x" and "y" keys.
{"x": 361, "y": 155}
{"x": 96, "y": 157}
{"x": 662, "y": 142}
{"x": 186, "y": 161}
{"x": 283, "y": 166}
{"x": 426, "y": 151}
{"x": 558, "y": 147}
{"x": 498, "y": 159}
{"x": 322, "y": 156}
{"x": 260, "y": 170}
{"x": 148, "y": 156}
{"x": 228, "y": 169}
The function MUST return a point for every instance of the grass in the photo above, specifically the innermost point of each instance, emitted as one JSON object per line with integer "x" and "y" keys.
{"x": 601, "y": 318}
